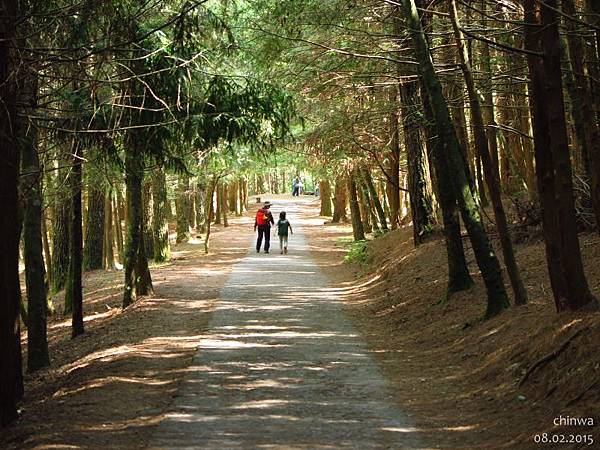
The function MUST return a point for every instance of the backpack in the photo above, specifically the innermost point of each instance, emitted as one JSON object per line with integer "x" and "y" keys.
{"x": 262, "y": 217}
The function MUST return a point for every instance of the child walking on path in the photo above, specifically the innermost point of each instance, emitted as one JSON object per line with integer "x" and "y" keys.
{"x": 282, "y": 230}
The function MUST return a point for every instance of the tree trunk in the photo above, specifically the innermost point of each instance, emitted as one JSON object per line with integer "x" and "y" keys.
{"x": 375, "y": 200}
{"x": 160, "y": 225}
{"x": 246, "y": 197}
{"x": 209, "y": 212}
{"x": 553, "y": 166}
{"x": 143, "y": 279}
{"x": 450, "y": 150}
{"x": 191, "y": 198}
{"x": 459, "y": 278}
{"x": 92, "y": 252}
{"x": 240, "y": 196}
{"x": 325, "y": 193}
{"x": 147, "y": 218}
{"x": 74, "y": 289}
{"x": 134, "y": 254}
{"x": 420, "y": 201}
{"x": 232, "y": 190}
{"x": 357, "y": 225}
{"x": 491, "y": 173}
{"x": 224, "y": 206}
{"x": 593, "y": 53}
{"x": 218, "y": 208}
{"x": 340, "y": 199}
{"x": 183, "y": 212}
{"x": 119, "y": 230}
{"x": 60, "y": 240}
{"x": 363, "y": 203}
{"x": 487, "y": 102}
{"x": 46, "y": 246}
{"x": 394, "y": 163}
{"x": 109, "y": 252}
{"x": 590, "y": 127}
{"x": 200, "y": 205}
{"x": 37, "y": 341}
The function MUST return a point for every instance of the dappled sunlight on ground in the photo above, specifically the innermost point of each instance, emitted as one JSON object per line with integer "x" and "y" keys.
{"x": 108, "y": 387}
{"x": 280, "y": 366}
{"x": 460, "y": 376}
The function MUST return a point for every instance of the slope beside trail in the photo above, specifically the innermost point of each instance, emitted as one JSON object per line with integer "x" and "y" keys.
{"x": 281, "y": 366}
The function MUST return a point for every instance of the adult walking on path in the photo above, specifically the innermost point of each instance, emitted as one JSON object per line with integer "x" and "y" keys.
{"x": 282, "y": 367}
{"x": 263, "y": 221}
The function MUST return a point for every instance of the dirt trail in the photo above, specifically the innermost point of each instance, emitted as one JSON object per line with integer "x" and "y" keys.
{"x": 281, "y": 366}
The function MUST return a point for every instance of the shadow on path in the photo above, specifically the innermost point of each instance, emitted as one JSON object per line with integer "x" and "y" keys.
{"x": 282, "y": 367}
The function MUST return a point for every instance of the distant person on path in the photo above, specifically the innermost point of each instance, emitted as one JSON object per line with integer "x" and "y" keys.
{"x": 283, "y": 225}
{"x": 263, "y": 221}
{"x": 295, "y": 187}
{"x": 300, "y": 186}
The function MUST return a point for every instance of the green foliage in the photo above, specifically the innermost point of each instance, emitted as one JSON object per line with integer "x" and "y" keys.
{"x": 357, "y": 252}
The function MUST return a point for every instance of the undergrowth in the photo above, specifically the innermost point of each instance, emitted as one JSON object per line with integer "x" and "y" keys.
{"x": 357, "y": 252}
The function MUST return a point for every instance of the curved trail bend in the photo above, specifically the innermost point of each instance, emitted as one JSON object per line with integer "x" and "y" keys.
{"x": 281, "y": 366}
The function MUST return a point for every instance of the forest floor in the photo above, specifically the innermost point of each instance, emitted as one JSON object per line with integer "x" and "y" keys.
{"x": 468, "y": 383}
{"x": 110, "y": 386}
{"x": 463, "y": 383}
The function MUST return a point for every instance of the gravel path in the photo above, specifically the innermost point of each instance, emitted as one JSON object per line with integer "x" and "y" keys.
{"x": 282, "y": 367}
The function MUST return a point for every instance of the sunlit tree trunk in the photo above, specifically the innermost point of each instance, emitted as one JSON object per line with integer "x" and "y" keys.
{"x": 143, "y": 279}
{"x": 209, "y": 210}
{"x": 325, "y": 193}
{"x": 109, "y": 252}
{"x": 147, "y": 217}
{"x": 118, "y": 229}
{"x": 340, "y": 199}
{"x": 200, "y": 205}
{"x": 183, "y": 212}
{"x": 160, "y": 225}
{"x": 46, "y": 246}
{"x": 224, "y": 206}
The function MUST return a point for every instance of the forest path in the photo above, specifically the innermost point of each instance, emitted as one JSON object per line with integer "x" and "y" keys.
{"x": 281, "y": 366}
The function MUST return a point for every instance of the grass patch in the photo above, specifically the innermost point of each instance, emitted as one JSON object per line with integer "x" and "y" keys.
{"x": 357, "y": 252}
